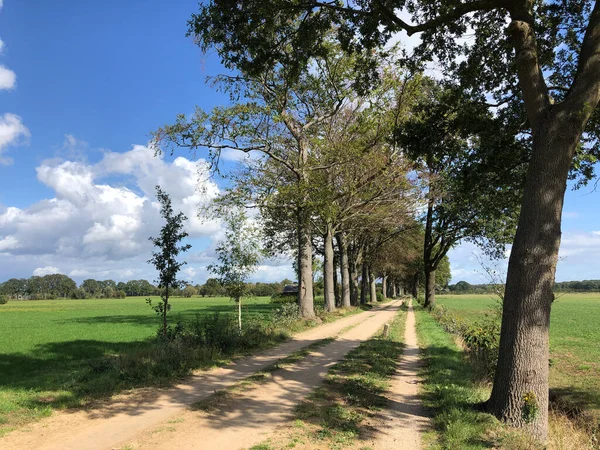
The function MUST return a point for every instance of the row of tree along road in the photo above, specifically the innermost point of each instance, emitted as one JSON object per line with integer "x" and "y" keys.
{"x": 355, "y": 152}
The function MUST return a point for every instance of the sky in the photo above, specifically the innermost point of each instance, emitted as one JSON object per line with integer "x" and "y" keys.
{"x": 82, "y": 86}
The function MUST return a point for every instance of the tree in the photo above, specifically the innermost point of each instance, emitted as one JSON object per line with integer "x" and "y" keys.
{"x": 547, "y": 65}
{"x": 165, "y": 259}
{"x": 189, "y": 291}
{"x": 472, "y": 170}
{"x": 239, "y": 254}
{"x": 277, "y": 118}
{"x": 92, "y": 288}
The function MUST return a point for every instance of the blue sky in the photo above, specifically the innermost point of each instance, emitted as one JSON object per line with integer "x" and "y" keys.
{"x": 82, "y": 85}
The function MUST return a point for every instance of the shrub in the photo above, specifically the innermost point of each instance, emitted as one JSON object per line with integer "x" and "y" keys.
{"x": 185, "y": 347}
{"x": 286, "y": 315}
{"x": 481, "y": 338}
{"x": 380, "y": 297}
{"x": 121, "y": 294}
{"x": 3, "y": 299}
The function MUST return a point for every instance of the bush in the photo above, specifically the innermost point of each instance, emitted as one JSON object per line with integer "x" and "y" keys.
{"x": 481, "y": 338}
{"x": 121, "y": 294}
{"x": 286, "y": 315}
{"x": 186, "y": 347}
{"x": 3, "y": 299}
{"x": 380, "y": 297}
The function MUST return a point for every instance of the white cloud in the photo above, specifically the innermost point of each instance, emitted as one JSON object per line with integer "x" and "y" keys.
{"x": 12, "y": 132}
{"x": 48, "y": 270}
{"x": 1, "y": 46}
{"x": 8, "y": 79}
{"x": 92, "y": 226}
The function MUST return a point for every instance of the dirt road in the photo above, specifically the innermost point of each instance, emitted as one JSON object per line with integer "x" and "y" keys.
{"x": 254, "y": 415}
{"x": 403, "y": 421}
{"x": 130, "y": 417}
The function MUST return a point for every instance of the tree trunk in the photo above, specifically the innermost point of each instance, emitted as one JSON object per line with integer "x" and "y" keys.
{"x": 345, "y": 270}
{"x": 305, "y": 274}
{"x": 328, "y": 268}
{"x": 336, "y": 280}
{"x": 394, "y": 293}
{"x": 523, "y": 355}
{"x": 364, "y": 282}
{"x": 429, "y": 288}
{"x": 239, "y": 302}
{"x": 427, "y": 256}
{"x": 164, "y": 315}
{"x": 384, "y": 286}
{"x": 373, "y": 286}
{"x": 415, "y": 286}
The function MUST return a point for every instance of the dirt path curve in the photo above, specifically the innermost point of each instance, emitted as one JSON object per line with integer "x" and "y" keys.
{"x": 252, "y": 416}
{"x": 120, "y": 419}
{"x": 401, "y": 424}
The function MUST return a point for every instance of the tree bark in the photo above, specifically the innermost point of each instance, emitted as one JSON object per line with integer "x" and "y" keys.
{"x": 336, "y": 281}
{"x": 354, "y": 287}
{"x": 328, "y": 268}
{"x": 364, "y": 282}
{"x": 164, "y": 315}
{"x": 305, "y": 274}
{"x": 394, "y": 293}
{"x": 429, "y": 288}
{"x": 384, "y": 286}
{"x": 415, "y": 286}
{"x": 556, "y": 130}
{"x": 524, "y": 353}
{"x": 345, "y": 270}
{"x": 373, "y": 285}
{"x": 240, "y": 314}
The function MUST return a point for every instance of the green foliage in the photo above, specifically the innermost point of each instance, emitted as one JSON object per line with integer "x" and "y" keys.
{"x": 286, "y": 315}
{"x": 239, "y": 254}
{"x": 530, "y": 408}
{"x": 481, "y": 338}
{"x": 3, "y": 299}
{"x": 165, "y": 258}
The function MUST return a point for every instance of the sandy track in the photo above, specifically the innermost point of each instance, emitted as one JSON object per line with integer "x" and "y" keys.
{"x": 120, "y": 419}
{"x": 400, "y": 425}
{"x": 253, "y": 415}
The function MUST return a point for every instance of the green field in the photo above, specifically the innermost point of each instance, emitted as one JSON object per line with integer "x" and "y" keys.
{"x": 46, "y": 346}
{"x": 574, "y": 343}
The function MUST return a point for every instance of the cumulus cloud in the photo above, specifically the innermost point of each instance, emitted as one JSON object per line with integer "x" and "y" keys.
{"x": 48, "y": 270}
{"x": 12, "y": 132}
{"x": 8, "y": 79}
{"x": 103, "y": 213}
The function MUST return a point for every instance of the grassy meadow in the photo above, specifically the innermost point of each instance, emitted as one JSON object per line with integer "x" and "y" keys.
{"x": 47, "y": 347}
{"x": 574, "y": 344}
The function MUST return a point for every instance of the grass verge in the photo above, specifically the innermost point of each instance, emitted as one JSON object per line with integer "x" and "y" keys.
{"x": 451, "y": 392}
{"x": 337, "y": 414}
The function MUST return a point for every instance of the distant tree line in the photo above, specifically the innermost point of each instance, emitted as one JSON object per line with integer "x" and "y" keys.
{"x": 463, "y": 287}
{"x": 55, "y": 286}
